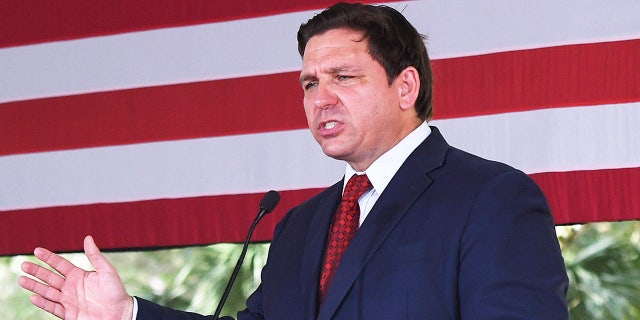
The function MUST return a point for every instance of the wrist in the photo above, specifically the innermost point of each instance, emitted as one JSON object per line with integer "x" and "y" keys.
{"x": 129, "y": 309}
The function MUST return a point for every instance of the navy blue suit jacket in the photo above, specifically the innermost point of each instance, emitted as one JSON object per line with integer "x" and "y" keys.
{"x": 453, "y": 236}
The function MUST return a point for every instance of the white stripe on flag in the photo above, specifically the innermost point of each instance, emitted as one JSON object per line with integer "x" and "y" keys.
{"x": 552, "y": 140}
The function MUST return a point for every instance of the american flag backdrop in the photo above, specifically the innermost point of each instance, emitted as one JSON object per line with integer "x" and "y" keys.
{"x": 162, "y": 123}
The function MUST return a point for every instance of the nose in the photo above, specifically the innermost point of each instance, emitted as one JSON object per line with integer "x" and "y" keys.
{"x": 324, "y": 97}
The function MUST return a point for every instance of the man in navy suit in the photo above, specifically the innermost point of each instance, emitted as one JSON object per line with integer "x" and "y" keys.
{"x": 441, "y": 233}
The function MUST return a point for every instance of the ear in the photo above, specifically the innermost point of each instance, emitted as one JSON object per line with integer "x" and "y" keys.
{"x": 409, "y": 86}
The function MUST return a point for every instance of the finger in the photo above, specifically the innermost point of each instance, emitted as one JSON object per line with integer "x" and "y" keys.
{"x": 55, "y": 261}
{"x": 55, "y": 309}
{"x": 39, "y": 288}
{"x": 43, "y": 274}
{"x": 97, "y": 259}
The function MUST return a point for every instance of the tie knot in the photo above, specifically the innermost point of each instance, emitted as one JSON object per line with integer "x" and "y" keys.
{"x": 356, "y": 187}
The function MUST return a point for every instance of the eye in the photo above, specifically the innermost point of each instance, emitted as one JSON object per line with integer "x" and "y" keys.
{"x": 310, "y": 84}
{"x": 343, "y": 77}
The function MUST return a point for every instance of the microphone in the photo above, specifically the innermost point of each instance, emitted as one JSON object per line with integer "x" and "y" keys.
{"x": 268, "y": 203}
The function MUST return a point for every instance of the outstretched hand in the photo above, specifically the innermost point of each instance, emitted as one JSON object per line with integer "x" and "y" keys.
{"x": 74, "y": 293}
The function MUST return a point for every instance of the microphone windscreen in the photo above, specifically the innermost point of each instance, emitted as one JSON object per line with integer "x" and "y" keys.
{"x": 270, "y": 201}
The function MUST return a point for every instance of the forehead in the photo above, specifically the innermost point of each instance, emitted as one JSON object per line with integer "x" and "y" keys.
{"x": 334, "y": 46}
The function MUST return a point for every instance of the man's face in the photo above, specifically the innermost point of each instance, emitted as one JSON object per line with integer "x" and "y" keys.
{"x": 351, "y": 109}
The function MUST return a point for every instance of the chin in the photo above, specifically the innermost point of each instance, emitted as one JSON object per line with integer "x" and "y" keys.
{"x": 336, "y": 148}
{"x": 336, "y": 154}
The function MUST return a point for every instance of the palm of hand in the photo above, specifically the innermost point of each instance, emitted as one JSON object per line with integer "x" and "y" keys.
{"x": 91, "y": 295}
{"x": 74, "y": 293}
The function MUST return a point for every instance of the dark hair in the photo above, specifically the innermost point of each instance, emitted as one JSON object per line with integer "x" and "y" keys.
{"x": 392, "y": 41}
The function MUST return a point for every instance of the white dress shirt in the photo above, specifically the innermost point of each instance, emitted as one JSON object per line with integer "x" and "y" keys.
{"x": 381, "y": 171}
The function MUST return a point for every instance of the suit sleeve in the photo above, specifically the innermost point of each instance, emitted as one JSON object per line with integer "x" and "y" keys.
{"x": 148, "y": 310}
{"x": 510, "y": 260}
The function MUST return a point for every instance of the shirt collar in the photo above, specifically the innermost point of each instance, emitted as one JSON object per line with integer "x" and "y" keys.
{"x": 382, "y": 170}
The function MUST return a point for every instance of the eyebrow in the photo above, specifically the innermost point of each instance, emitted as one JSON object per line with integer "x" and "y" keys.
{"x": 334, "y": 70}
{"x": 306, "y": 77}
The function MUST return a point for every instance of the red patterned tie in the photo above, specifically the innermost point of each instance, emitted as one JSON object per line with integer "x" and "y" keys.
{"x": 343, "y": 228}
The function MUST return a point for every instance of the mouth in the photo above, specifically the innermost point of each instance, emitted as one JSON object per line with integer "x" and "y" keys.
{"x": 329, "y": 128}
{"x": 329, "y": 125}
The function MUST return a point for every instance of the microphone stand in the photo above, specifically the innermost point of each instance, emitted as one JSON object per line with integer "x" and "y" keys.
{"x": 267, "y": 204}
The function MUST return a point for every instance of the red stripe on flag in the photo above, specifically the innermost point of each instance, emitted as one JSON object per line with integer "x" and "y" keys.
{"x": 143, "y": 224}
{"x": 592, "y": 196}
{"x": 575, "y": 197}
{"x": 32, "y": 21}
{"x": 194, "y": 110}
{"x": 578, "y": 75}
{"x": 572, "y": 75}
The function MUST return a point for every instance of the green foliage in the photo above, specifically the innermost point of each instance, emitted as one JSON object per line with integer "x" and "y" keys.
{"x": 603, "y": 264}
{"x": 184, "y": 279}
{"x": 602, "y": 260}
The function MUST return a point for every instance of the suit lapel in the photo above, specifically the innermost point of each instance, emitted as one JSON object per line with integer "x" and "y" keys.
{"x": 404, "y": 189}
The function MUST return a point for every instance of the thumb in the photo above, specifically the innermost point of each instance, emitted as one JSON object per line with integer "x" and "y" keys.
{"x": 97, "y": 259}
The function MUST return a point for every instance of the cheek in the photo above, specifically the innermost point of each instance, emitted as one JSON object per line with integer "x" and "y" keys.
{"x": 308, "y": 112}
